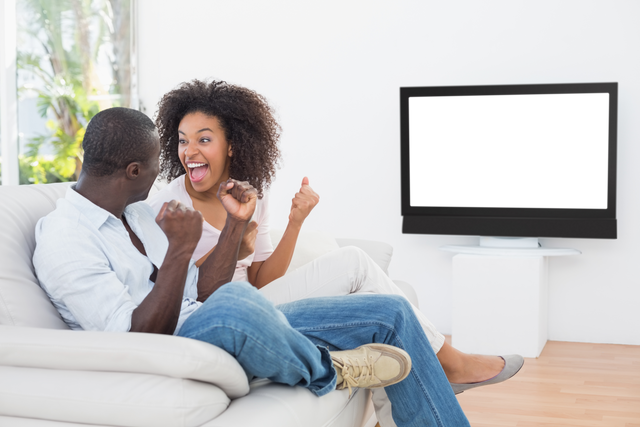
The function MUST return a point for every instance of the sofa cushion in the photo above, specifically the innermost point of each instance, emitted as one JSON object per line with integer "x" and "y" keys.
{"x": 309, "y": 246}
{"x": 269, "y": 405}
{"x": 111, "y": 398}
{"x": 379, "y": 252}
{"x": 22, "y": 301}
{"x": 277, "y": 405}
{"x": 165, "y": 355}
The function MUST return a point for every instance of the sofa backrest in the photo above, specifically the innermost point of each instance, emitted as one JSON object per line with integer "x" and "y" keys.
{"x": 22, "y": 301}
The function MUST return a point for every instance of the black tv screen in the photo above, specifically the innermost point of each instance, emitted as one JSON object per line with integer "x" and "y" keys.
{"x": 509, "y": 160}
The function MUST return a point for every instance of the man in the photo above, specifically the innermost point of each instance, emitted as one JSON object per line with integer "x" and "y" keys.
{"x": 107, "y": 264}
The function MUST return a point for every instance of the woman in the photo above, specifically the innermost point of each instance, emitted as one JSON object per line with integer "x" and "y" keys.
{"x": 212, "y": 131}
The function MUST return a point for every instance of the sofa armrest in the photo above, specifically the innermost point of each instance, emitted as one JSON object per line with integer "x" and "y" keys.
{"x": 104, "y": 398}
{"x": 380, "y": 252}
{"x": 409, "y": 292}
{"x": 131, "y": 352}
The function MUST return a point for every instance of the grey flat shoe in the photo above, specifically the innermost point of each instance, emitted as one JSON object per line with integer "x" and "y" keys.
{"x": 512, "y": 364}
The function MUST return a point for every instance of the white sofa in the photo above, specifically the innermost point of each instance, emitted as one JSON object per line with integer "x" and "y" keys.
{"x": 51, "y": 376}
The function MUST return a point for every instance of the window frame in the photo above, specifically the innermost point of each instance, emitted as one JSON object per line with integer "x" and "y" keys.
{"x": 8, "y": 94}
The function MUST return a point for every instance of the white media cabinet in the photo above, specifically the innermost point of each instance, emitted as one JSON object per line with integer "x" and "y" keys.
{"x": 500, "y": 296}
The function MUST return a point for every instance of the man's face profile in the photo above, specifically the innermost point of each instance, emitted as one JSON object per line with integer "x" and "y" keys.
{"x": 149, "y": 167}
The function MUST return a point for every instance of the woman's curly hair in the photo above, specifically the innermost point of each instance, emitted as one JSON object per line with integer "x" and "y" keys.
{"x": 245, "y": 117}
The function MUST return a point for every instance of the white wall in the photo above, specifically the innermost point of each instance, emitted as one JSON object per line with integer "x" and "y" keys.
{"x": 332, "y": 70}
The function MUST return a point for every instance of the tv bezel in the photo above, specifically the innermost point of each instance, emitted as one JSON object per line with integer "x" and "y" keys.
{"x": 510, "y": 222}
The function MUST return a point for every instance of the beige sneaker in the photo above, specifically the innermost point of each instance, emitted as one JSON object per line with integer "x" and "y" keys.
{"x": 371, "y": 366}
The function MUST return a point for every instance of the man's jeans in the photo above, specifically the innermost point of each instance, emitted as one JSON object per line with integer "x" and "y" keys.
{"x": 289, "y": 345}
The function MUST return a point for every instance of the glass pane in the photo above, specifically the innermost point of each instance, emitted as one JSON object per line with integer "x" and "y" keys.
{"x": 73, "y": 61}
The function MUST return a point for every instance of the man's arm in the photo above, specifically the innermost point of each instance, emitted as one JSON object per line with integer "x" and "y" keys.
{"x": 160, "y": 310}
{"x": 239, "y": 200}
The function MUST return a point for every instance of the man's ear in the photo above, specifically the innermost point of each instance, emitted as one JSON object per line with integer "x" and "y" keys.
{"x": 132, "y": 170}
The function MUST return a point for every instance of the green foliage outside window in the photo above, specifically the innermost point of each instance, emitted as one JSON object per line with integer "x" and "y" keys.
{"x": 63, "y": 42}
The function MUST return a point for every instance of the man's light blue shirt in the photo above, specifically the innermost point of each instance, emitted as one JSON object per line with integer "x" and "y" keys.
{"x": 88, "y": 266}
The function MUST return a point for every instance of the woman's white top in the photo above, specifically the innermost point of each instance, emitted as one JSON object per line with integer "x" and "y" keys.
{"x": 176, "y": 190}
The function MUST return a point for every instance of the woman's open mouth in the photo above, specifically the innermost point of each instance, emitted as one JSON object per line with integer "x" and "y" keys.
{"x": 197, "y": 171}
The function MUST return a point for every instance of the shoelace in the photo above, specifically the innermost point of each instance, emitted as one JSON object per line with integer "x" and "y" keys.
{"x": 353, "y": 371}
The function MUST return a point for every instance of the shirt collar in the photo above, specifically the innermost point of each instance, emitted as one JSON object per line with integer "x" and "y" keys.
{"x": 131, "y": 212}
{"x": 94, "y": 213}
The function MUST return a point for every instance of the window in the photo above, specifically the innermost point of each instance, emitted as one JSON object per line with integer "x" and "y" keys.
{"x": 73, "y": 58}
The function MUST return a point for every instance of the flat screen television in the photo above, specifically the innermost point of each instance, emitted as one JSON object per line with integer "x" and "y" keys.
{"x": 509, "y": 160}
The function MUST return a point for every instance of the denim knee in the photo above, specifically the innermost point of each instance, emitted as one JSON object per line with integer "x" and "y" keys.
{"x": 236, "y": 290}
{"x": 233, "y": 304}
{"x": 393, "y": 309}
{"x": 396, "y": 303}
{"x": 240, "y": 300}
{"x": 240, "y": 303}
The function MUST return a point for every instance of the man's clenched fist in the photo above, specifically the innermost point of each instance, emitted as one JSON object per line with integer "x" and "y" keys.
{"x": 238, "y": 198}
{"x": 182, "y": 225}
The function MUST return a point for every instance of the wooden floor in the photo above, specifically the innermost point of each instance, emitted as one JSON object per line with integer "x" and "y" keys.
{"x": 570, "y": 384}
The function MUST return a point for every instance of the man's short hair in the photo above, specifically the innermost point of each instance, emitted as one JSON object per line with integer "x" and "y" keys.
{"x": 114, "y": 138}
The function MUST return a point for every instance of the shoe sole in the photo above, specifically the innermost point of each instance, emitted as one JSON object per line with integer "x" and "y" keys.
{"x": 400, "y": 355}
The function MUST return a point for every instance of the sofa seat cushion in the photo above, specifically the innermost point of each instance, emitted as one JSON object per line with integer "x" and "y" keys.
{"x": 268, "y": 405}
{"x": 277, "y": 405}
{"x": 111, "y": 398}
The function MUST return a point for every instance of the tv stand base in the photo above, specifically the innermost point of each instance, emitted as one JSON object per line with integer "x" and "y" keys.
{"x": 500, "y": 300}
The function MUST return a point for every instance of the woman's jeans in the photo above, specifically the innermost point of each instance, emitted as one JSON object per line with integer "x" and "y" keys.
{"x": 290, "y": 345}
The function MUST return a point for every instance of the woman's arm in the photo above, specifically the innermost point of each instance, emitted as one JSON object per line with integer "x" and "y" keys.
{"x": 274, "y": 267}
